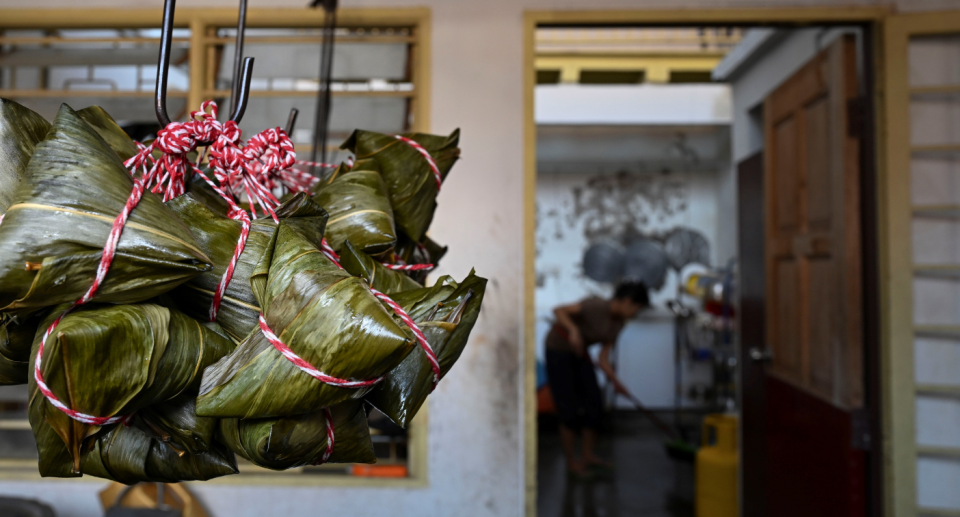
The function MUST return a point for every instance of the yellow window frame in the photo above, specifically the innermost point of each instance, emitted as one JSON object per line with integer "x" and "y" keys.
{"x": 203, "y": 23}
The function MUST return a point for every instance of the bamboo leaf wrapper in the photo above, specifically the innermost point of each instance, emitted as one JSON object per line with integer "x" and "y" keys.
{"x": 62, "y": 214}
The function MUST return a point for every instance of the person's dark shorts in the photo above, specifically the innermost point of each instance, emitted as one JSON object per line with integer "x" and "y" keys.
{"x": 573, "y": 384}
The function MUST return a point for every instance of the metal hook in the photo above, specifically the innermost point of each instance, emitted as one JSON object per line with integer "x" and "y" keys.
{"x": 321, "y": 123}
{"x": 292, "y": 120}
{"x": 241, "y": 92}
{"x": 163, "y": 66}
{"x": 243, "y": 95}
{"x": 238, "y": 61}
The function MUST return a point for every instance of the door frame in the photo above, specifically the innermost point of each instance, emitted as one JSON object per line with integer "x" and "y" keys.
{"x": 887, "y": 494}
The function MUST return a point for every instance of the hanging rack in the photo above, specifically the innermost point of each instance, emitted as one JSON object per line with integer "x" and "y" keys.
{"x": 322, "y": 121}
{"x": 238, "y": 61}
{"x": 292, "y": 120}
{"x": 241, "y": 92}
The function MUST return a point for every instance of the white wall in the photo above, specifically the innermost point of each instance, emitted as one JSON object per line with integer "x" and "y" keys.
{"x": 576, "y": 210}
{"x": 678, "y": 104}
{"x": 477, "y": 457}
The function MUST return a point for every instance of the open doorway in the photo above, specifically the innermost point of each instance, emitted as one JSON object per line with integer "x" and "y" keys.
{"x": 728, "y": 169}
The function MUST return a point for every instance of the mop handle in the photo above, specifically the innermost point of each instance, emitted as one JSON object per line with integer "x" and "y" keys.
{"x": 653, "y": 418}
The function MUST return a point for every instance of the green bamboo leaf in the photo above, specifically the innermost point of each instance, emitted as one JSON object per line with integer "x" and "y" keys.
{"x": 217, "y": 236}
{"x": 380, "y": 278}
{"x": 327, "y": 317}
{"x": 175, "y": 423}
{"x": 129, "y": 455}
{"x": 410, "y": 180}
{"x": 63, "y": 212}
{"x": 20, "y": 131}
{"x": 296, "y": 441}
{"x": 109, "y": 360}
{"x": 446, "y": 315}
{"x": 107, "y": 128}
{"x": 16, "y": 338}
{"x": 425, "y": 252}
{"x": 356, "y": 199}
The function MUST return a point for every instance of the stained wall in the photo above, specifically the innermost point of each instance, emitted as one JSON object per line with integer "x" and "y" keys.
{"x": 477, "y": 452}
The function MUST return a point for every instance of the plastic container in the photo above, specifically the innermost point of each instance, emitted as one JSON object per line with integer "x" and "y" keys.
{"x": 717, "y": 466}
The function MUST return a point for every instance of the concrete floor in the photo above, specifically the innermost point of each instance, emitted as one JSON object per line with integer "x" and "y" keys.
{"x": 643, "y": 482}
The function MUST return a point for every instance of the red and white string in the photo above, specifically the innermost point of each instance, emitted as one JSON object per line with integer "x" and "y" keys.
{"x": 320, "y": 165}
{"x": 426, "y": 156}
{"x": 238, "y": 214}
{"x": 408, "y": 267}
{"x": 330, "y": 436}
{"x": 106, "y": 259}
{"x": 421, "y": 339}
{"x": 307, "y": 367}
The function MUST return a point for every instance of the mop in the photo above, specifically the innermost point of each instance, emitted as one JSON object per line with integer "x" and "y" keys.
{"x": 677, "y": 447}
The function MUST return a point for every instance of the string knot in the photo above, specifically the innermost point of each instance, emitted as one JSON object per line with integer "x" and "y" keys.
{"x": 272, "y": 152}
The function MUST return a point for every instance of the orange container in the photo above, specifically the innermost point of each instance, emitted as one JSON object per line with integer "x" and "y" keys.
{"x": 380, "y": 471}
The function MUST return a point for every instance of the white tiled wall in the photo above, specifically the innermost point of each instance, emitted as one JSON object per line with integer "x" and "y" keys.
{"x": 934, "y": 60}
{"x": 935, "y": 181}
{"x": 941, "y": 120}
{"x": 935, "y": 194}
{"x": 937, "y": 482}
{"x": 936, "y": 360}
{"x": 936, "y": 240}
{"x": 936, "y": 301}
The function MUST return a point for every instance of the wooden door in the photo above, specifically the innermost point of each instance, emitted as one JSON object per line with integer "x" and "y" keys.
{"x": 813, "y": 267}
{"x": 752, "y": 293}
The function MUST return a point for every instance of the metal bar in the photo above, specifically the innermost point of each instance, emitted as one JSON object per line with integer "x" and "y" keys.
{"x": 292, "y": 120}
{"x": 163, "y": 65}
{"x": 198, "y": 62}
{"x": 322, "y": 120}
{"x": 238, "y": 55}
{"x": 9, "y": 93}
{"x": 243, "y": 94}
{"x": 222, "y": 94}
{"x": 312, "y": 39}
{"x": 60, "y": 39}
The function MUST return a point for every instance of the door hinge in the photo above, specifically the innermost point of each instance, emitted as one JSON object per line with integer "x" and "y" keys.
{"x": 855, "y": 117}
{"x": 860, "y": 438}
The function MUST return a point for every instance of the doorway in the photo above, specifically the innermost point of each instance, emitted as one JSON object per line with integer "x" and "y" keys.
{"x": 844, "y": 384}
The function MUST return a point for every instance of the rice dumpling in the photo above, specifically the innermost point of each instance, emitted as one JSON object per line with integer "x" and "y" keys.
{"x": 325, "y": 317}
{"x": 356, "y": 199}
{"x": 425, "y": 252}
{"x": 446, "y": 314}
{"x": 107, "y": 128}
{"x": 129, "y": 455}
{"x": 378, "y": 276}
{"x": 175, "y": 423}
{"x": 20, "y": 131}
{"x": 64, "y": 209}
{"x": 296, "y": 441}
{"x": 16, "y": 339}
{"x": 217, "y": 235}
{"x": 411, "y": 181}
{"x": 112, "y": 360}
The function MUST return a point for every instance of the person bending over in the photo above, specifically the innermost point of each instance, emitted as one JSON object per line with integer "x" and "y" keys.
{"x": 570, "y": 371}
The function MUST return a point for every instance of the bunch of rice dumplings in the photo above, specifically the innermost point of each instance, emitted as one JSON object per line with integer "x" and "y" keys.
{"x": 171, "y": 308}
